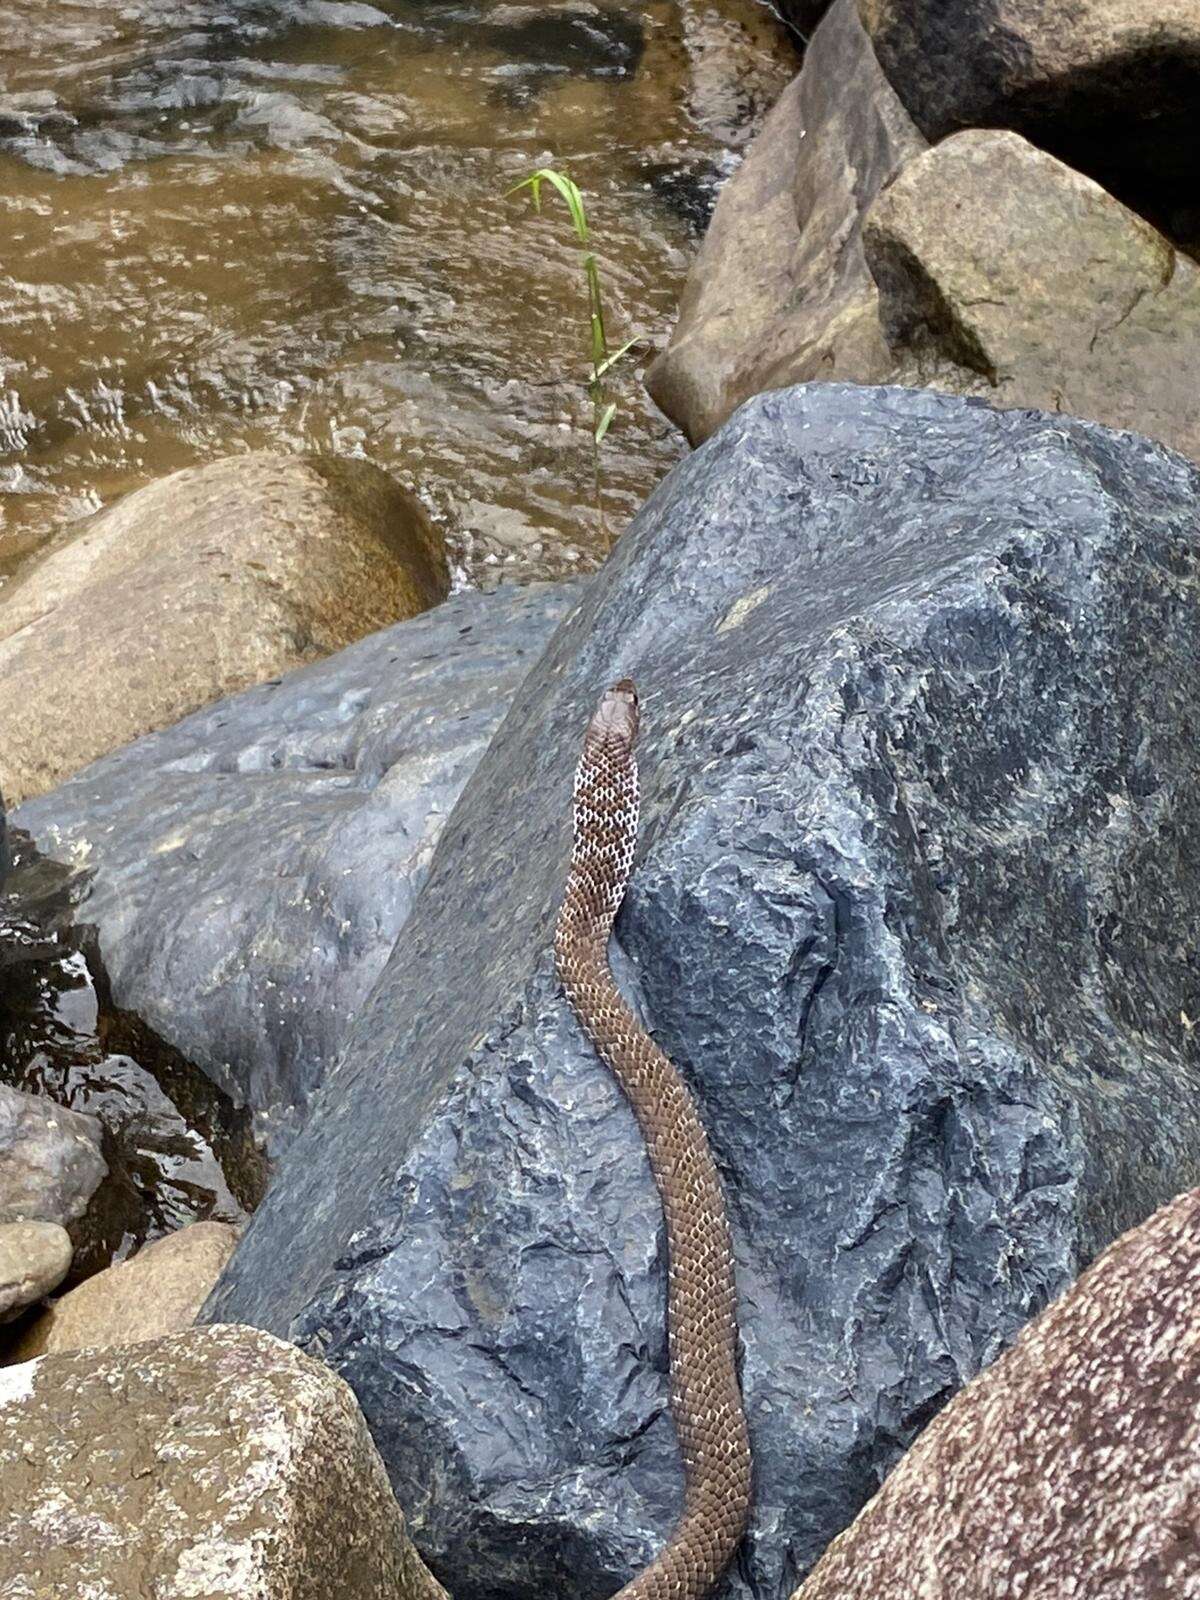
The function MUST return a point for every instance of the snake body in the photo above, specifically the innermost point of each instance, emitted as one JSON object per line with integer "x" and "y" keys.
{"x": 706, "y": 1400}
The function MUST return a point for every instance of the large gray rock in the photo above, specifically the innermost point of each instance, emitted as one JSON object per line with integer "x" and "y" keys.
{"x": 1072, "y": 1466}
{"x": 780, "y": 292}
{"x": 1003, "y": 271}
{"x": 1111, "y": 86}
{"x": 50, "y": 1159}
{"x": 920, "y": 850}
{"x": 247, "y": 870}
{"x": 213, "y": 1465}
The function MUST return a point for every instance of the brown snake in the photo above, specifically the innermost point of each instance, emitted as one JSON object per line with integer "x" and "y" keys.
{"x": 706, "y": 1400}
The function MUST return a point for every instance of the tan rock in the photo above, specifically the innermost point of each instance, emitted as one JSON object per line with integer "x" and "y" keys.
{"x": 34, "y": 1258}
{"x": 212, "y": 579}
{"x": 219, "y": 1464}
{"x": 1069, "y": 1468}
{"x": 1109, "y": 86}
{"x": 158, "y": 1291}
{"x": 1004, "y": 273}
{"x": 779, "y": 292}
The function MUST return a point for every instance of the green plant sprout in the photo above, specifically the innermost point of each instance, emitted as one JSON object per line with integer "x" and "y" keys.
{"x": 603, "y": 360}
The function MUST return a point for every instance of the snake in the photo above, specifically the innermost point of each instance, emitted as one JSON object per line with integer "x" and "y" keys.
{"x": 705, "y": 1395}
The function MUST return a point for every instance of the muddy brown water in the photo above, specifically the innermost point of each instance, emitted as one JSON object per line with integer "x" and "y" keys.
{"x": 232, "y": 226}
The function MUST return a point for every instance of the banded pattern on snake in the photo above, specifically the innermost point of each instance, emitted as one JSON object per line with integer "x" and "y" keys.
{"x": 706, "y": 1400}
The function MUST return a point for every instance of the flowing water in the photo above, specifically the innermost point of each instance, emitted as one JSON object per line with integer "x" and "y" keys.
{"x": 234, "y": 224}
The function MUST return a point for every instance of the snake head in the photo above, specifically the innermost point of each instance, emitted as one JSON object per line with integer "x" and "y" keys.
{"x": 616, "y": 716}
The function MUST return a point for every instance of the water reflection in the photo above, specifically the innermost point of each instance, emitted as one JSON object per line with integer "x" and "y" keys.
{"x": 281, "y": 225}
{"x": 177, "y": 1152}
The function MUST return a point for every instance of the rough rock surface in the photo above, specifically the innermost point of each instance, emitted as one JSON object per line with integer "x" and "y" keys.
{"x": 248, "y": 870}
{"x": 50, "y": 1160}
{"x": 206, "y": 581}
{"x": 35, "y": 1257}
{"x": 1109, "y": 85}
{"x": 919, "y": 862}
{"x": 219, "y": 1464}
{"x": 1104, "y": 324}
{"x": 159, "y": 1291}
{"x": 779, "y": 292}
{"x": 1072, "y": 1466}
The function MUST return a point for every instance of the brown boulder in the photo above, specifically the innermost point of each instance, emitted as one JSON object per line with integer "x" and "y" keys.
{"x": 207, "y": 581}
{"x": 1110, "y": 86}
{"x": 1005, "y": 273}
{"x": 158, "y": 1291}
{"x": 779, "y": 292}
{"x": 219, "y": 1464}
{"x": 1071, "y": 1466}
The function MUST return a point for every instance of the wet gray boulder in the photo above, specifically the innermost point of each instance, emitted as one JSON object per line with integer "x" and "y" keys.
{"x": 247, "y": 870}
{"x": 914, "y": 911}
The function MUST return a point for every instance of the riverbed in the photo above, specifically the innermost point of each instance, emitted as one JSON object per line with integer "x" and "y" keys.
{"x": 284, "y": 226}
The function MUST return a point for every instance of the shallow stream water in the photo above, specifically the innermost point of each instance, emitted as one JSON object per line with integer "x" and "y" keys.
{"x": 245, "y": 225}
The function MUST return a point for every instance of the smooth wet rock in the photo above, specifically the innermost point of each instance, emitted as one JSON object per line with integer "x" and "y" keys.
{"x": 157, "y": 1292}
{"x": 202, "y": 583}
{"x": 1071, "y": 1466}
{"x": 780, "y": 292}
{"x": 919, "y": 856}
{"x": 35, "y": 1257}
{"x": 1002, "y": 270}
{"x": 50, "y": 1159}
{"x": 1110, "y": 86}
{"x": 219, "y": 1464}
{"x": 248, "y": 870}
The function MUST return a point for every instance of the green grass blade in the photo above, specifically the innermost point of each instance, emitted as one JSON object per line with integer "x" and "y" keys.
{"x": 610, "y": 361}
{"x": 566, "y": 188}
{"x": 606, "y": 416}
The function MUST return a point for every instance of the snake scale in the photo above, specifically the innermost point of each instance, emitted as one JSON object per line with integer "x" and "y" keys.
{"x": 706, "y": 1400}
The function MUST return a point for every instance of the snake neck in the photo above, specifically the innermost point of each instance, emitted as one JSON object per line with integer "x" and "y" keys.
{"x": 606, "y": 807}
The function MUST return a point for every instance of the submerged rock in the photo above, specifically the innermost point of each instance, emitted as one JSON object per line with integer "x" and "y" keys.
{"x": 195, "y": 586}
{"x": 1072, "y": 1466}
{"x": 247, "y": 871}
{"x": 913, "y": 911}
{"x": 218, "y": 1463}
{"x": 158, "y": 1291}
